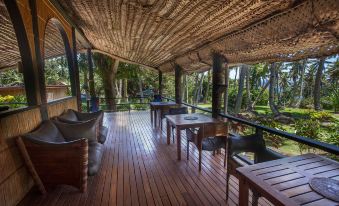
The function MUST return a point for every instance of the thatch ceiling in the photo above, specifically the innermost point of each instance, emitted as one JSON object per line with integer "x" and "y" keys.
{"x": 160, "y": 32}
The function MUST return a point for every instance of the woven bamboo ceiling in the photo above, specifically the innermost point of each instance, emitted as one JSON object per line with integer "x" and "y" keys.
{"x": 160, "y": 32}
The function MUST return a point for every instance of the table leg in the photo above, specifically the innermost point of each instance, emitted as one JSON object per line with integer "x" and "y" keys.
{"x": 151, "y": 116}
{"x": 155, "y": 117}
{"x": 168, "y": 132}
{"x": 243, "y": 192}
{"x": 178, "y": 131}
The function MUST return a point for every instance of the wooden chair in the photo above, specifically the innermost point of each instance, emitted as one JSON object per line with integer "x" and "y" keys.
{"x": 209, "y": 137}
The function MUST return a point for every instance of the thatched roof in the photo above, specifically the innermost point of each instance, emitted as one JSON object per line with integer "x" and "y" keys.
{"x": 9, "y": 50}
{"x": 160, "y": 32}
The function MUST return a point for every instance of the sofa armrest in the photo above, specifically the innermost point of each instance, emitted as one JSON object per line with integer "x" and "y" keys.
{"x": 84, "y": 116}
{"x": 56, "y": 163}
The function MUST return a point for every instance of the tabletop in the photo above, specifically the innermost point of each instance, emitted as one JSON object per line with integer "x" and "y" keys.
{"x": 163, "y": 103}
{"x": 286, "y": 181}
{"x": 179, "y": 119}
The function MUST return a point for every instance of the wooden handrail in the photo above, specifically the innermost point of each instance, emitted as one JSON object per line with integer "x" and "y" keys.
{"x": 333, "y": 149}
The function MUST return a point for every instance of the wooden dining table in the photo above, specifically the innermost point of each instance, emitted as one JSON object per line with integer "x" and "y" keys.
{"x": 287, "y": 181}
{"x": 180, "y": 122}
{"x": 156, "y": 110}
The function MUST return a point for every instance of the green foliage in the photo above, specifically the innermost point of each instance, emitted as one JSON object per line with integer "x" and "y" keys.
{"x": 10, "y": 77}
{"x": 56, "y": 71}
{"x": 272, "y": 139}
{"x": 321, "y": 116}
{"x": 13, "y": 101}
{"x": 309, "y": 128}
{"x": 335, "y": 99}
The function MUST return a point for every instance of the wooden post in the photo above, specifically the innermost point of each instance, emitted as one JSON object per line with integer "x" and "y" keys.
{"x": 160, "y": 83}
{"x": 178, "y": 84}
{"x": 91, "y": 73}
{"x": 76, "y": 70}
{"x": 227, "y": 74}
{"x": 217, "y": 80}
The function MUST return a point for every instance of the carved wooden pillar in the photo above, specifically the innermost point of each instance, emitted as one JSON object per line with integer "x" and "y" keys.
{"x": 217, "y": 81}
{"x": 178, "y": 84}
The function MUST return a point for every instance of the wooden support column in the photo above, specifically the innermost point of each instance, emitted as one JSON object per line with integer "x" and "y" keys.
{"x": 29, "y": 71}
{"x": 91, "y": 74}
{"x": 217, "y": 81}
{"x": 178, "y": 84}
{"x": 76, "y": 70}
{"x": 160, "y": 83}
{"x": 227, "y": 74}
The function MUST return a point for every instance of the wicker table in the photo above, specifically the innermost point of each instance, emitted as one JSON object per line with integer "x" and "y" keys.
{"x": 180, "y": 123}
{"x": 286, "y": 181}
{"x": 159, "y": 106}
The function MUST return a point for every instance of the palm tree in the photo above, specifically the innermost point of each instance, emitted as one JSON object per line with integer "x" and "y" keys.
{"x": 273, "y": 70}
{"x": 238, "y": 102}
{"x": 317, "y": 84}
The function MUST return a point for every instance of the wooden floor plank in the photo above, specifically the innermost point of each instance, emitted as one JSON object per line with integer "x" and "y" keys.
{"x": 139, "y": 168}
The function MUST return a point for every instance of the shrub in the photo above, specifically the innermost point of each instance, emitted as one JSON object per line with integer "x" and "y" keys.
{"x": 273, "y": 140}
{"x": 321, "y": 116}
{"x": 307, "y": 103}
{"x": 309, "y": 128}
{"x": 335, "y": 99}
{"x": 13, "y": 101}
{"x": 326, "y": 103}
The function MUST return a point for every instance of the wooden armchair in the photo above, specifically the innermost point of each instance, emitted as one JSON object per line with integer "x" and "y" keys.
{"x": 209, "y": 137}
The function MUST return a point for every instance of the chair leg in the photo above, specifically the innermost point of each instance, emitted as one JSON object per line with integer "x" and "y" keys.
{"x": 227, "y": 184}
{"x": 200, "y": 160}
{"x": 188, "y": 150}
{"x": 255, "y": 198}
{"x": 213, "y": 153}
{"x": 225, "y": 157}
{"x": 173, "y": 134}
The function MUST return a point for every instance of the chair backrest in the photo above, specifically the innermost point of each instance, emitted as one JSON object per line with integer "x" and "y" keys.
{"x": 214, "y": 130}
{"x": 180, "y": 110}
{"x": 157, "y": 98}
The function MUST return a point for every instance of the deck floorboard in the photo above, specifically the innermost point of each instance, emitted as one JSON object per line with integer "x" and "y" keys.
{"x": 139, "y": 168}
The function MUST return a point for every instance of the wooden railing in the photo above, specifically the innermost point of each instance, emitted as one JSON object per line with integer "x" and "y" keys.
{"x": 333, "y": 149}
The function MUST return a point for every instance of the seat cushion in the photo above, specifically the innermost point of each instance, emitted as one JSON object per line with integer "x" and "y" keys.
{"x": 68, "y": 115}
{"x": 79, "y": 130}
{"x": 95, "y": 151}
{"x": 47, "y": 132}
{"x": 102, "y": 134}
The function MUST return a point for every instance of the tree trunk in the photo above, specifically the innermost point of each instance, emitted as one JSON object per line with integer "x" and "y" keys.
{"x": 248, "y": 90}
{"x": 317, "y": 84}
{"x": 205, "y": 99}
{"x": 238, "y": 101}
{"x": 124, "y": 88}
{"x": 227, "y": 74}
{"x": 196, "y": 87}
{"x": 301, "y": 84}
{"x": 108, "y": 68}
{"x": 235, "y": 77}
{"x": 259, "y": 96}
{"x": 200, "y": 88}
{"x": 273, "y": 107}
{"x": 184, "y": 84}
{"x": 141, "y": 90}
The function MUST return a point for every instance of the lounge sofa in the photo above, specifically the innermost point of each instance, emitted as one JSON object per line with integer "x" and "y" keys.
{"x": 62, "y": 153}
{"x": 71, "y": 116}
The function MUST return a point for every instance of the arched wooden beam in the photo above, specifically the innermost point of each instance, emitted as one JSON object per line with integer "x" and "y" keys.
{"x": 68, "y": 52}
{"x": 32, "y": 91}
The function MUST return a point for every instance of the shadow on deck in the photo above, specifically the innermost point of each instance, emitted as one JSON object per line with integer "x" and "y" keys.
{"x": 139, "y": 168}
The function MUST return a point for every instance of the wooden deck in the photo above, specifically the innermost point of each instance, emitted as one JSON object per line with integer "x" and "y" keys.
{"x": 139, "y": 168}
